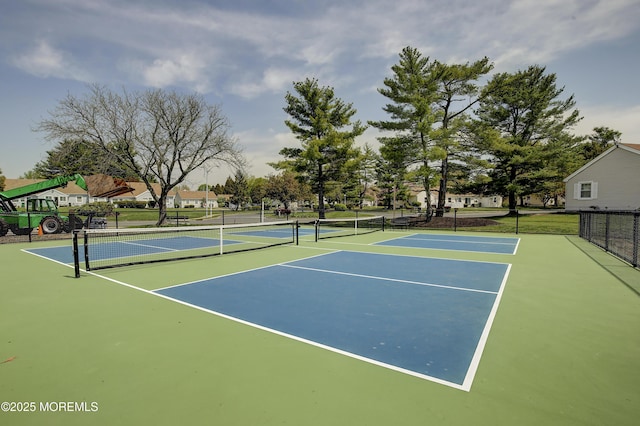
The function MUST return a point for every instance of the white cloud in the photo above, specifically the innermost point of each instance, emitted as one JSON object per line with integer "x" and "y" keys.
{"x": 185, "y": 68}
{"x": 273, "y": 80}
{"x": 46, "y": 61}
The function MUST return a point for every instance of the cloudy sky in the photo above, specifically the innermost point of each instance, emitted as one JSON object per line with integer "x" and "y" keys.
{"x": 245, "y": 54}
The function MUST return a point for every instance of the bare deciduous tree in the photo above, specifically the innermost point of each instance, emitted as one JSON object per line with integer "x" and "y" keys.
{"x": 158, "y": 136}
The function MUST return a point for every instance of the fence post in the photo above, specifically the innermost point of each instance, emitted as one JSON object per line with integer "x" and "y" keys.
{"x": 455, "y": 219}
{"x": 607, "y": 222}
{"x": 636, "y": 238}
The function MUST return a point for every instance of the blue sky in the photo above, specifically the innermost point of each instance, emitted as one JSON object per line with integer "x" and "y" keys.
{"x": 244, "y": 55}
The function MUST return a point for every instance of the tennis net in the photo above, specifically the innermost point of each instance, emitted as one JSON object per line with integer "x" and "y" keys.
{"x": 331, "y": 228}
{"x": 108, "y": 248}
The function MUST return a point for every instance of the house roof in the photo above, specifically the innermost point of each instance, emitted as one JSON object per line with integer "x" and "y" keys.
{"x": 140, "y": 188}
{"x": 195, "y": 195}
{"x": 17, "y": 183}
{"x": 633, "y": 148}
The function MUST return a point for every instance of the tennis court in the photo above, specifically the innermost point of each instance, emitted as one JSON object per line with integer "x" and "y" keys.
{"x": 351, "y": 330}
{"x": 456, "y": 242}
{"x": 348, "y": 293}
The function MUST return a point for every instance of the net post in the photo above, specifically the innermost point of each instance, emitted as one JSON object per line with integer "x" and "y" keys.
{"x": 29, "y": 224}
{"x": 86, "y": 251}
{"x": 317, "y": 228}
{"x": 76, "y": 254}
{"x": 297, "y": 232}
{"x": 221, "y": 238}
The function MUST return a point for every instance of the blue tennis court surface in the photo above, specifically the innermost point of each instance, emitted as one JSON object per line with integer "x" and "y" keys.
{"x": 426, "y": 317}
{"x": 112, "y": 250}
{"x": 499, "y": 245}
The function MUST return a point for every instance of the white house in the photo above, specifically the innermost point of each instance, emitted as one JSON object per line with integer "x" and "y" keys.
{"x": 196, "y": 199}
{"x": 470, "y": 200}
{"x": 142, "y": 194}
{"x": 455, "y": 200}
{"x": 610, "y": 181}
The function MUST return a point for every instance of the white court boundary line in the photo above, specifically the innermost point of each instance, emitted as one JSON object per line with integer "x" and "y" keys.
{"x": 469, "y": 376}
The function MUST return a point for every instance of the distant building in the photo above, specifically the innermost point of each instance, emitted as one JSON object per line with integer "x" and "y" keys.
{"x": 454, "y": 201}
{"x": 196, "y": 199}
{"x": 142, "y": 194}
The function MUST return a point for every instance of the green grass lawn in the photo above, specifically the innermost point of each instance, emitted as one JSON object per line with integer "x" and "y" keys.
{"x": 556, "y": 223}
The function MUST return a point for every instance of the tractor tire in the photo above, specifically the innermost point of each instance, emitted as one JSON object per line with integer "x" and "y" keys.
{"x": 74, "y": 223}
{"x": 20, "y": 231}
{"x": 51, "y": 225}
{"x": 4, "y": 228}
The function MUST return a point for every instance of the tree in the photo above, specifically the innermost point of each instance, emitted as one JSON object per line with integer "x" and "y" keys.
{"x": 423, "y": 113}
{"x": 523, "y": 126}
{"x": 322, "y": 123}
{"x": 77, "y": 156}
{"x": 239, "y": 189}
{"x": 454, "y": 85}
{"x": 391, "y": 170}
{"x": 412, "y": 92}
{"x": 156, "y": 135}
{"x": 599, "y": 141}
{"x": 362, "y": 175}
{"x": 284, "y": 188}
{"x": 257, "y": 189}
{"x": 219, "y": 189}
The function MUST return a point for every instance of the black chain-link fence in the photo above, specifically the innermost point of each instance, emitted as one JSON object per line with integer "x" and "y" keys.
{"x": 617, "y": 232}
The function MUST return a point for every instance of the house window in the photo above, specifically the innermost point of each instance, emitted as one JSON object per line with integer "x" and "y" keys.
{"x": 78, "y": 199}
{"x": 585, "y": 191}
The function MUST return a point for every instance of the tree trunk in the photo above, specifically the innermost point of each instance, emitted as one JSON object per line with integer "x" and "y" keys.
{"x": 513, "y": 201}
{"x": 442, "y": 190}
{"x": 162, "y": 209}
{"x": 320, "y": 193}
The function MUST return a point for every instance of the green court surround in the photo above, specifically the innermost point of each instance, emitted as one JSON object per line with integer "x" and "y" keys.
{"x": 564, "y": 348}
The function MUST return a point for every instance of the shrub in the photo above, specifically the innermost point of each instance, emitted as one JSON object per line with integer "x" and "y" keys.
{"x": 96, "y": 209}
{"x": 339, "y": 207}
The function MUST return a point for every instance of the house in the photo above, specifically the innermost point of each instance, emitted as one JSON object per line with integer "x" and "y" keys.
{"x": 140, "y": 193}
{"x": 196, "y": 199}
{"x": 457, "y": 201}
{"x": 610, "y": 181}
{"x": 535, "y": 200}
{"x": 416, "y": 194}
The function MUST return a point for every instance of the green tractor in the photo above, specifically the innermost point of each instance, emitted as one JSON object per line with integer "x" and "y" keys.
{"x": 41, "y": 213}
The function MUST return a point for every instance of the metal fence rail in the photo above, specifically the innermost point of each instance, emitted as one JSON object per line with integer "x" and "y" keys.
{"x": 617, "y": 232}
